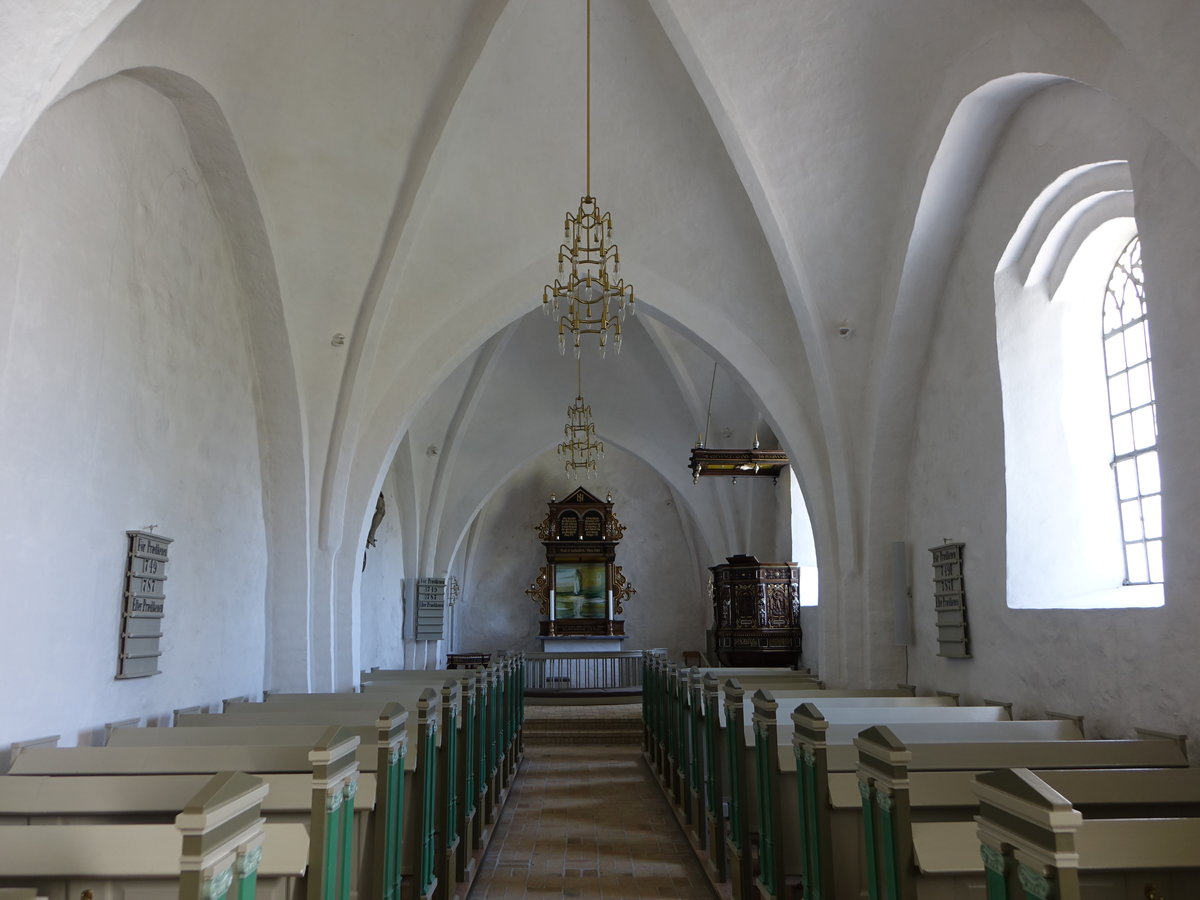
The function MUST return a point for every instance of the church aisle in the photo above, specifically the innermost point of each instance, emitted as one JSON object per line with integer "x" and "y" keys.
{"x": 589, "y": 822}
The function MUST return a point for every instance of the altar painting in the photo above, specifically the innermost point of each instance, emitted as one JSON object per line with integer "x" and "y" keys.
{"x": 580, "y": 591}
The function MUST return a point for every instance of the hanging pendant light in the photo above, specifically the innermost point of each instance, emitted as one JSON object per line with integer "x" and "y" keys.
{"x": 581, "y": 449}
{"x": 754, "y": 462}
{"x": 589, "y": 263}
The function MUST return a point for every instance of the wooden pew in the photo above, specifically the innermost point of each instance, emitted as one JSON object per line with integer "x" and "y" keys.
{"x": 650, "y": 698}
{"x": 701, "y": 750}
{"x": 717, "y": 744}
{"x": 708, "y": 757}
{"x": 661, "y": 705}
{"x": 70, "y": 800}
{"x": 460, "y": 799}
{"x": 822, "y": 764}
{"x": 1032, "y": 838}
{"x": 216, "y": 846}
{"x": 655, "y": 712}
{"x": 429, "y": 847}
{"x": 332, "y": 762}
{"x": 459, "y": 839}
{"x": 501, "y": 715}
{"x": 683, "y": 729}
{"x": 674, "y": 750}
{"x": 386, "y": 767}
{"x": 480, "y": 780}
{"x": 918, "y": 800}
{"x": 507, "y": 677}
{"x": 768, "y": 772}
{"x": 835, "y": 812}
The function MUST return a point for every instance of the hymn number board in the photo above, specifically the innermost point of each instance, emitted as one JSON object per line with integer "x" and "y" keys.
{"x": 142, "y": 610}
{"x": 950, "y": 600}
{"x": 431, "y": 609}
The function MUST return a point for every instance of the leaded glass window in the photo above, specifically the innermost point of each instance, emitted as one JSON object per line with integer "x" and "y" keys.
{"x": 1134, "y": 418}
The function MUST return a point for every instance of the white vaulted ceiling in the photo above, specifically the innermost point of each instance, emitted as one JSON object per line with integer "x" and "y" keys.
{"x": 397, "y": 171}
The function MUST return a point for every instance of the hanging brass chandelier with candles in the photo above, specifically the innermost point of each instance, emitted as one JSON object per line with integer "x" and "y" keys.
{"x": 581, "y": 449}
{"x": 595, "y": 297}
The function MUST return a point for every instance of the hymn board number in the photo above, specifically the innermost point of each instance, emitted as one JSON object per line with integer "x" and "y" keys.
{"x": 142, "y": 611}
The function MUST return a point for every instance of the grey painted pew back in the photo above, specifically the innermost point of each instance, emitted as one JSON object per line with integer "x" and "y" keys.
{"x": 1035, "y": 839}
{"x": 213, "y": 846}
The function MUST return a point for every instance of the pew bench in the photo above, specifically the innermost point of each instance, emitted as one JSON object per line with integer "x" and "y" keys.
{"x": 857, "y": 814}
{"x": 1034, "y": 836}
{"x": 457, "y": 797}
{"x": 822, "y": 767}
{"x": 115, "y": 861}
{"x": 491, "y": 722}
{"x": 332, "y": 762}
{"x": 1116, "y": 858}
{"x": 485, "y": 771}
{"x": 414, "y": 798}
{"x": 216, "y": 845}
{"x": 717, "y": 745}
{"x": 502, "y": 703}
{"x": 769, "y": 774}
{"x": 678, "y": 752}
{"x": 491, "y": 737}
{"x": 387, "y": 775}
{"x": 685, "y": 748}
{"x": 659, "y": 709}
{"x": 144, "y": 799}
{"x": 675, "y": 732}
{"x": 926, "y": 804}
{"x": 705, "y": 750}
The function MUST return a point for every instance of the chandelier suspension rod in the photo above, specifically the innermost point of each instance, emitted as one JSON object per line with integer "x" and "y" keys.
{"x": 708, "y": 421}
{"x": 588, "y": 104}
{"x": 578, "y": 377}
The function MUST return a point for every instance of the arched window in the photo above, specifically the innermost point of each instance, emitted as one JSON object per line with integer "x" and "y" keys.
{"x": 1133, "y": 418}
{"x": 804, "y": 550}
{"x": 1078, "y": 400}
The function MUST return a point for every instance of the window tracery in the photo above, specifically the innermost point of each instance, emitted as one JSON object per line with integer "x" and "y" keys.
{"x": 1133, "y": 417}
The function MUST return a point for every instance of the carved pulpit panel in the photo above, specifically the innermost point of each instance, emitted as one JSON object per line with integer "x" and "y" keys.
{"x": 756, "y": 612}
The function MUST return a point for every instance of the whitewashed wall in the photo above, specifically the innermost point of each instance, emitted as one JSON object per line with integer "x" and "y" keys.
{"x": 1119, "y": 668}
{"x": 670, "y": 608}
{"x": 382, "y": 608}
{"x": 126, "y": 399}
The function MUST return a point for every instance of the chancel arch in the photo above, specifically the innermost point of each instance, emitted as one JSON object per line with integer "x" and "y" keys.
{"x": 657, "y": 555}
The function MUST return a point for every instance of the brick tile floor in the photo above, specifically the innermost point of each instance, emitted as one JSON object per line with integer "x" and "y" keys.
{"x": 588, "y": 822}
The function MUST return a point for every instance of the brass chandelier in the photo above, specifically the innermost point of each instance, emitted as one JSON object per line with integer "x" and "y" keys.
{"x": 581, "y": 449}
{"x": 595, "y": 301}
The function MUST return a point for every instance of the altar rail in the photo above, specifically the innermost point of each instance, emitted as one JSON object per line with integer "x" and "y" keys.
{"x": 585, "y": 674}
